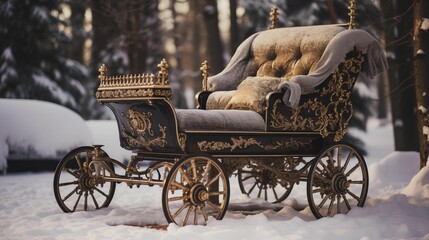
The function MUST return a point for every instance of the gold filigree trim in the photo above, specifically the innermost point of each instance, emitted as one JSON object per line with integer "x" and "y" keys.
{"x": 243, "y": 143}
{"x": 141, "y": 130}
{"x": 182, "y": 141}
{"x": 134, "y": 86}
{"x": 314, "y": 115}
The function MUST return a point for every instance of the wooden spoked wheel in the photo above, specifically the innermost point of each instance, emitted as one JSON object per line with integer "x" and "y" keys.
{"x": 195, "y": 189}
{"x": 75, "y": 188}
{"x": 256, "y": 181}
{"x": 337, "y": 181}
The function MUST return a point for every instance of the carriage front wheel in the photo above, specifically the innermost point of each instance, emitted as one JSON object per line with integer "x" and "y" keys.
{"x": 74, "y": 186}
{"x": 196, "y": 188}
{"x": 337, "y": 181}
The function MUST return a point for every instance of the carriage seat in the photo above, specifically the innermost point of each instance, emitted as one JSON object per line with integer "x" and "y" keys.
{"x": 293, "y": 61}
{"x": 267, "y": 60}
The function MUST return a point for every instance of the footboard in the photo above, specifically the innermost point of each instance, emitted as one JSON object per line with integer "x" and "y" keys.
{"x": 146, "y": 119}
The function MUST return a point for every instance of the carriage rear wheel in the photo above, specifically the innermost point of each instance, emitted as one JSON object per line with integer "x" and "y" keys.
{"x": 196, "y": 188}
{"x": 337, "y": 181}
{"x": 256, "y": 181}
{"x": 74, "y": 186}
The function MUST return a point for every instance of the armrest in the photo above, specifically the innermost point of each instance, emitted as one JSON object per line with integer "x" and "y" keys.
{"x": 201, "y": 99}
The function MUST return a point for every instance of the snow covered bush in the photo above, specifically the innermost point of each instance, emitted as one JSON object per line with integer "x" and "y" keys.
{"x": 34, "y": 129}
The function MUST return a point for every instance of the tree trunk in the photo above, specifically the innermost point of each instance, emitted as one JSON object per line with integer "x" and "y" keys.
{"x": 233, "y": 32}
{"x": 214, "y": 42}
{"x": 403, "y": 98}
{"x": 421, "y": 69}
{"x": 77, "y": 21}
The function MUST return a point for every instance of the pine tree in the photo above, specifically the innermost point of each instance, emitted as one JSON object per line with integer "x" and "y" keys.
{"x": 32, "y": 49}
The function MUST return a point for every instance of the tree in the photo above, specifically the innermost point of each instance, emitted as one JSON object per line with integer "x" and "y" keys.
{"x": 398, "y": 26}
{"x": 33, "y": 62}
{"x": 421, "y": 70}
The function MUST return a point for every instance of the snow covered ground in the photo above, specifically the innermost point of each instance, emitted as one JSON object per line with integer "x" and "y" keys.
{"x": 397, "y": 205}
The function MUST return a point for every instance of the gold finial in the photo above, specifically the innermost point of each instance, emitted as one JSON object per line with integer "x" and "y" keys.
{"x": 274, "y": 13}
{"x": 103, "y": 71}
{"x": 352, "y": 14}
{"x": 163, "y": 72}
{"x": 205, "y": 72}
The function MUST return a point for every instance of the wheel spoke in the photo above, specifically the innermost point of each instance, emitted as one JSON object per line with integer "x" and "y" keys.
{"x": 185, "y": 176}
{"x": 339, "y": 156}
{"x": 260, "y": 191}
{"x": 356, "y": 182}
{"x": 352, "y": 170}
{"x": 85, "y": 203}
{"x": 346, "y": 202}
{"x": 68, "y": 183}
{"x": 77, "y": 201}
{"x": 173, "y": 199}
{"x": 331, "y": 159}
{"x": 203, "y": 210}
{"x": 73, "y": 173}
{"x": 214, "y": 179}
{"x": 330, "y": 206}
{"x": 101, "y": 192}
{"x": 180, "y": 210}
{"x": 353, "y": 195}
{"x": 338, "y": 203}
{"x": 94, "y": 200}
{"x": 78, "y": 161}
{"x": 266, "y": 194}
{"x": 194, "y": 170}
{"x": 347, "y": 161}
{"x": 247, "y": 177}
{"x": 324, "y": 166}
{"x": 275, "y": 194}
{"x": 195, "y": 215}
{"x": 216, "y": 193}
{"x": 178, "y": 185}
{"x": 206, "y": 172}
{"x": 71, "y": 193}
{"x": 185, "y": 220}
{"x": 322, "y": 202}
{"x": 247, "y": 171}
{"x": 88, "y": 153}
{"x": 251, "y": 189}
{"x": 217, "y": 208}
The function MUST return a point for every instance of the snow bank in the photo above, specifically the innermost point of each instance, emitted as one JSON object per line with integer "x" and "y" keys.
{"x": 105, "y": 132}
{"x": 39, "y": 129}
{"x": 419, "y": 185}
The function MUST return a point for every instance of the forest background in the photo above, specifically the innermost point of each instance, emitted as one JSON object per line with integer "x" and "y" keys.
{"x": 51, "y": 50}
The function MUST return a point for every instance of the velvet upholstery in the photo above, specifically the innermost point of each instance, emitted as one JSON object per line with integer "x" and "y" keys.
{"x": 219, "y": 99}
{"x": 219, "y": 120}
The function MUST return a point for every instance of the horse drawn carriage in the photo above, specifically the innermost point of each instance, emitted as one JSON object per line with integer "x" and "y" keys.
{"x": 276, "y": 116}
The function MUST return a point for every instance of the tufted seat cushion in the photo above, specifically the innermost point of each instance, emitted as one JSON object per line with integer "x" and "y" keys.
{"x": 287, "y": 52}
{"x": 219, "y": 120}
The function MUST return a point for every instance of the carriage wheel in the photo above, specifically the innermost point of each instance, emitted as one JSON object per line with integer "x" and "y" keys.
{"x": 196, "y": 188}
{"x": 337, "y": 181}
{"x": 75, "y": 189}
{"x": 258, "y": 182}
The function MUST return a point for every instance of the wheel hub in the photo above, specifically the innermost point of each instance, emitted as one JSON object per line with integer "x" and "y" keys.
{"x": 86, "y": 182}
{"x": 340, "y": 184}
{"x": 199, "y": 194}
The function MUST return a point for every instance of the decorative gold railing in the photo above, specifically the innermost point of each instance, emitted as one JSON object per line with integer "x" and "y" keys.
{"x": 134, "y": 86}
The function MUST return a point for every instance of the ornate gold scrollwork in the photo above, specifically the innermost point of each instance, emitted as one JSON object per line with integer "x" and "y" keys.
{"x": 274, "y": 13}
{"x": 134, "y": 85}
{"x": 182, "y": 141}
{"x": 242, "y": 143}
{"x": 141, "y": 130}
{"x": 323, "y": 117}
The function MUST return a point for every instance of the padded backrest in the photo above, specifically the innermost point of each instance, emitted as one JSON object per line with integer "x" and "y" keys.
{"x": 287, "y": 52}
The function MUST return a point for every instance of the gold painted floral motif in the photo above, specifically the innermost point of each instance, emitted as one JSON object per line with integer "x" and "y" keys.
{"x": 141, "y": 130}
{"x": 242, "y": 143}
{"x": 316, "y": 116}
{"x": 182, "y": 141}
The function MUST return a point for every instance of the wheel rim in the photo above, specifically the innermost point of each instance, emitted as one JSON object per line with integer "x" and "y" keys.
{"x": 338, "y": 180}
{"x": 257, "y": 181}
{"x": 74, "y": 186}
{"x": 191, "y": 195}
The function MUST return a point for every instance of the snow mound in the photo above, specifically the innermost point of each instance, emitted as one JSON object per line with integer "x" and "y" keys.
{"x": 393, "y": 172}
{"x": 34, "y": 129}
{"x": 419, "y": 184}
